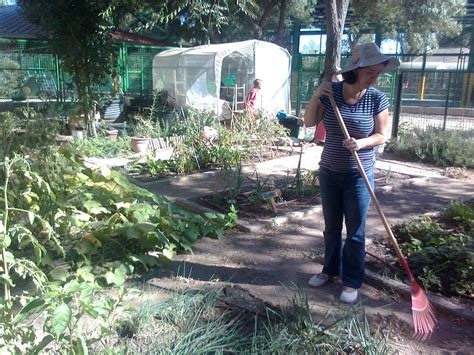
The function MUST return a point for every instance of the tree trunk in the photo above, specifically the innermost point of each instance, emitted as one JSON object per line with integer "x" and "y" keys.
{"x": 336, "y": 11}
{"x": 281, "y": 23}
{"x": 258, "y": 27}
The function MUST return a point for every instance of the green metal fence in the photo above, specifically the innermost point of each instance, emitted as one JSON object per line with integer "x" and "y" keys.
{"x": 434, "y": 90}
{"x": 30, "y": 63}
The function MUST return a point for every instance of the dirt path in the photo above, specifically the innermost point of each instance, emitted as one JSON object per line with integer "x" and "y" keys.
{"x": 274, "y": 260}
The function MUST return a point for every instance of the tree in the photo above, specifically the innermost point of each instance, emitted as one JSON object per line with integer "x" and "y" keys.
{"x": 79, "y": 32}
{"x": 336, "y": 12}
{"x": 201, "y": 21}
{"x": 423, "y": 22}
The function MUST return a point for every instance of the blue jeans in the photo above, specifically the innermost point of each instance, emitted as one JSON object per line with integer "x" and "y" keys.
{"x": 344, "y": 195}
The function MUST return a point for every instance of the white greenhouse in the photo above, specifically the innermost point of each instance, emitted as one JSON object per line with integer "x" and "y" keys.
{"x": 217, "y": 77}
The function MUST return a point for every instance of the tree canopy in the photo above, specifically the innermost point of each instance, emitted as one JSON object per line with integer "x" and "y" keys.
{"x": 422, "y": 23}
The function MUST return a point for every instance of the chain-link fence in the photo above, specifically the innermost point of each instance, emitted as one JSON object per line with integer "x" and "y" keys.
{"x": 437, "y": 99}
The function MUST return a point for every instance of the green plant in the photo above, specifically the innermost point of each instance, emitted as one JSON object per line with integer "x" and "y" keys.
{"x": 62, "y": 305}
{"x": 442, "y": 259}
{"x": 461, "y": 215}
{"x": 193, "y": 322}
{"x": 26, "y": 136}
{"x": 442, "y": 148}
{"x": 57, "y": 209}
{"x": 12, "y": 77}
{"x": 144, "y": 128}
{"x": 102, "y": 147}
{"x": 155, "y": 167}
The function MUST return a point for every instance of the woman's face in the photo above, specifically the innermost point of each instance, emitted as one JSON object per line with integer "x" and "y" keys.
{"x": 367, "y": 76}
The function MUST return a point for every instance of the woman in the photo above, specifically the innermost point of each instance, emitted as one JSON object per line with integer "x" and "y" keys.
{"x": 343, "y": 192}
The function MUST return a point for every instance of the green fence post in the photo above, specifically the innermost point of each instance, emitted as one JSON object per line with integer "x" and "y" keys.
{"x": 396, "y": 110}
{"x": 142, "y": 87}
{"x": 59, "y": 84}
{"x": 298, "y": 83}
{"x": 446, "y": 105}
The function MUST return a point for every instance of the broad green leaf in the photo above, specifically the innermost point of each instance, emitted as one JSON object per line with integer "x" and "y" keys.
{"x": 60, "y": 319}
{"x": 59, "y": 274}
{"x": 146, "y": 227}
{"x": 80, "y": 346}
{"x": 84, "y": 247}
{"x": 36, "y": 305}
{"x": 78, "y": 218}
{"x": 95, "y": 208}
{"x": 72, "y": 287}
{"x": 86, "y": 274}
{"x": 145, "y": 260}
{"x": 86, "y": 293}
{"x": 168, "y": 253}
{"x": 5, "y": 240}
{"x": 117, "y": 277}
{"x": 42, "y": 344}
{"x": 6, "y": 280}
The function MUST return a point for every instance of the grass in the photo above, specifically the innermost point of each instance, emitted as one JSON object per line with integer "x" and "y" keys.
{"x": 198, "y": 322}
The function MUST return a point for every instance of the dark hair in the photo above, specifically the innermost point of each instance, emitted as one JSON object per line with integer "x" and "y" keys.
{"x": 350, "y": 77}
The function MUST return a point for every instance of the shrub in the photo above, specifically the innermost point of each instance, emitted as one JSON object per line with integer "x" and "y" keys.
{"x": 435, "y": 146}
{"x": 441, "y": 257}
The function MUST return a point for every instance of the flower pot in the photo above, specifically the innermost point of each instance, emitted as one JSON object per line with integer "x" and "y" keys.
{"x": 139, "y": 145}
{"x": 112, "y": 134}
{"x": 77, "y": 133}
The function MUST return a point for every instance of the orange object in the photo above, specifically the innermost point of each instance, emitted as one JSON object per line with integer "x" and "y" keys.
{"x": 320, "y": 134}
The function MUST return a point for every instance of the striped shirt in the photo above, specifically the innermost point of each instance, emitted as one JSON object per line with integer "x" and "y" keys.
{"x": 359, "y": 119}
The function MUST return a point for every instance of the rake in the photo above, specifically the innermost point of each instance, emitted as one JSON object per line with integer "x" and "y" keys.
{"x": 424, "y": 318}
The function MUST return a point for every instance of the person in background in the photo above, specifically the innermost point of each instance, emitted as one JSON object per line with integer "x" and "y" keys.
{"x": 320, "y": 132}
{"x": 254, "y": 97}
{"x": 344, "y": 195}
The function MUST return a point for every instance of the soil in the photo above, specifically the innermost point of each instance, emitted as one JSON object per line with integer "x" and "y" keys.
{"x": 273, "y": 262}
{"x": 251, "y": 204}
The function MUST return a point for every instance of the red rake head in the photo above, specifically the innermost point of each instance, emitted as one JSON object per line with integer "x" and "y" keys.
{"x": 424, "y": 318}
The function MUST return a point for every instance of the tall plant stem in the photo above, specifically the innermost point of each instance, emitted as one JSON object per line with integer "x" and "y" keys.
{"x": 5, "y": 221}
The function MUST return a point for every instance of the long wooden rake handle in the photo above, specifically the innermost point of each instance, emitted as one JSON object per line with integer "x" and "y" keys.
{"x": 399, "y": 253}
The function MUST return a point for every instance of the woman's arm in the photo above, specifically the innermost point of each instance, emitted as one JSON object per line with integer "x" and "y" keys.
{"x": 375, "y": 139}
{"x": 314, "y": 112}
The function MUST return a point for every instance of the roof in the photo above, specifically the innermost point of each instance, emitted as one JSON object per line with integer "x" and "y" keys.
{"x": 13, "y": 24}
{"x": 219, "y": 50}
{"x": 139, "y": 39}
{"x": 443, "y": 55}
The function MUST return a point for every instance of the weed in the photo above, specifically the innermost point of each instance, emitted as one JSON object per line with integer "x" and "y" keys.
{"x": 442, "y": 259}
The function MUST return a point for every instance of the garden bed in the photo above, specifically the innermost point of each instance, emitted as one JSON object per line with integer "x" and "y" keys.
{"x": 439, "y": 249}
{"x": 292, "y": 195}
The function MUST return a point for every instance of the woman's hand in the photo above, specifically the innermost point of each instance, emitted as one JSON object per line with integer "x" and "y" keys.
{"x": 325, "y": 89}
{"x": 353, "y": 144}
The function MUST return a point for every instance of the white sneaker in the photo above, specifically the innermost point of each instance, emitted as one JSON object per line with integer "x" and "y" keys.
{"x": 348, "y": 296}
{"x": 318, "y": 280}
